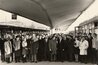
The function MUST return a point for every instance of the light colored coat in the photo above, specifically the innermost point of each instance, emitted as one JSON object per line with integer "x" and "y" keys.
{"x": 8, "y": 47}
{"x": 83, "y": 47}
{"x": 24, "y": 44}
{"x": 17, "y": 45}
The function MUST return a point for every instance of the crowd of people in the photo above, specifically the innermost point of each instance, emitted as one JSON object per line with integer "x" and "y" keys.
{"x": 44, "y": 47}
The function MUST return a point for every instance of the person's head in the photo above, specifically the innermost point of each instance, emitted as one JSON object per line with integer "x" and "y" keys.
{"x": 76, "y": 38}
{"x": 40, "y": 37}
{"x": 43, "y": 36}
{"x": 17, "y": 38}
{"x": 27, "y": 36}
{"x": 8, "y": 39}
{"x": 79, "y": 38}
{"x": 46, "y": 37}
{"x": 83, "y": 38}
{"x": 69, "y": 37}
{"x": 37, "y": 36}
{"x": 53, "y": 38}
{"x": 95, "y": 35}
{"x": 23, "y": 37}
{"x": 60, "y": 37}
{"x": 64, "y": 37}
{"x": 50, "y": 37}
{"x": 33, "y": 35}
{"x": 89, "y": 35}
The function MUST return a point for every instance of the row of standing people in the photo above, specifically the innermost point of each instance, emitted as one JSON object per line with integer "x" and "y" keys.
{"x": 87, "y": 47}
{"x": 35, "y": 48}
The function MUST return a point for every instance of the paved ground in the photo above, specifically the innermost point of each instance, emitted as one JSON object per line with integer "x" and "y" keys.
{"x": 46, "y": 63}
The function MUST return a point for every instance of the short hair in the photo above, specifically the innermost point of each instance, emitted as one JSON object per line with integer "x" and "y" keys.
{"x": 95, "y": 34}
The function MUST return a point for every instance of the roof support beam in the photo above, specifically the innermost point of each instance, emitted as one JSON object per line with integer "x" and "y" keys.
{"x": 45, "y": 10}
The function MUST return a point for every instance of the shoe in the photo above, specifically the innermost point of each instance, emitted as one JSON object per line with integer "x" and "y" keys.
{"x": 35, "y": 61}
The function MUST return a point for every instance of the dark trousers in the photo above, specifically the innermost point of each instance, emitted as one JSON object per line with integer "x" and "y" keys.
{"x": 83, "y": 58}
{"x": 53, "y": 57}
{"x": 2, "y": 57}
{"x": 8, "y": 58}
{"x": 70, "y": 57}
{"x": 89, "y": 56}
{"x": 12, "y": 56}
{"x": 29, "y": 55}
{"x": 93, "y": 55}
{"x": 34, "y": 57}
{"x": 60, "y": 56}
{"x": 46, "y": 56}
{"x": 24, "y": 59}
{"x": 17, "y": 58}
{"x": 97, "y": 57}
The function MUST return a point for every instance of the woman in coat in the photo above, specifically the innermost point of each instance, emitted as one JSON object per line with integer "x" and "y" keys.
{"x": 8, "y": 49}
{"x": 2, "y": 49}
{"x": 83, "y": 50}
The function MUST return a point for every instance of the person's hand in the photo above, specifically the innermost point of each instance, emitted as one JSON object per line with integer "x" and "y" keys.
{"x": 63, "y": 49}
{"x": 37, "y": 48}
{"x": 75, "y": 46}
{"x": 50, "y": 49}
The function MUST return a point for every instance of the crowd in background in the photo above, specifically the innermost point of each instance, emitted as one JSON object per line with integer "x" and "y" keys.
{"x": 44, "y": 47}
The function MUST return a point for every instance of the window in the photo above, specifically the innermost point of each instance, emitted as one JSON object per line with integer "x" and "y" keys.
{"x": 14, "y": 16}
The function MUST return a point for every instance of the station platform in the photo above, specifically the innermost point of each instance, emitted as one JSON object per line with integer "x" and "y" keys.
{"x": 46, "y": 63}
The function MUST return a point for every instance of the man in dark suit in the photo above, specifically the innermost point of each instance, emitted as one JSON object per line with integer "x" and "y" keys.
{"x": 41, "y": 49}
{"x": 89, "y": 39}
{"x": 60, "y": 49}
{"x": 2, "y": 49}
{"x": 70, "y": 42}
{"x": 96, "y": 45}
{"x": 46, "y": 50}
{"x": 29, "y": 48}
{"x": 53, "y": 48}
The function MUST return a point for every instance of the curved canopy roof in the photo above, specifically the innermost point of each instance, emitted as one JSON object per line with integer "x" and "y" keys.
{"x": 53, "y": 13}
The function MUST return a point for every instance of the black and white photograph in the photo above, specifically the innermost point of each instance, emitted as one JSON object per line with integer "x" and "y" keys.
{"x": 48, "y": 32}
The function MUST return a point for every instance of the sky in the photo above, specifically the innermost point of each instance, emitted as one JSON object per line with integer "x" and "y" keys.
{"x": 91, "y": 12}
